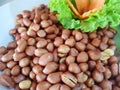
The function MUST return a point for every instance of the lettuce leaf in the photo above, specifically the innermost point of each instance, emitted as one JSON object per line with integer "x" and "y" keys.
{"x": 117, "y": 37}
{"x": 65, "y": 15}
{"x": 109, "y": 15}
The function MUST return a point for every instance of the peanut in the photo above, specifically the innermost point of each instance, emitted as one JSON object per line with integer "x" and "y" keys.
{"x": 41, "y": 33}
{"x": 40, "y": 77}
{"x": 15, "y": 70}
{"x": 70, "y": 42}
{"x": 30, "y": 50}
{"x": 31, "y": 41}
{"x": 40, "y": 52}
{"x": 3, "y": 50}
{"x": 25, "y": 84}
{"x": 45, "y": 59}
{"x": 97, "y": 76}
{"x": 69, "y": 79}
{"x": 94, "y": 54}
{"x": 73, "y": 52}
{"x": 2, "y": 66}
{"x": 74, "y": 68}
{"x": 8, "y": 56}
{"x": 54, "y": 77}
{"x": 18, "y": 78}
{"x": 63, "y": 49}
{"x": 21, "y": 45}
{"x": 50, "y": 67}
{"x": 44, "y": 85}
{"x": 80, "y": 46}
{"x": 6, "y": 81}
{"x": 24, "y": 62}
{"x": 26, "y": 71}
{"x": 82, "y": 57}
{"x": 37, "y": 68}
{"x": 41, "y": 43}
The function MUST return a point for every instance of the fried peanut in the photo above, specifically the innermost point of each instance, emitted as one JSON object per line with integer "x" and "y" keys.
{"x": 50, "y": 67}
{"x": 45, "y": 59}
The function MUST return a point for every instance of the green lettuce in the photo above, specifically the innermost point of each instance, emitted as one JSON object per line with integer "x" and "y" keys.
{"x": 65, "y": 15}
{"x": 117, "y": 37}
{"x": 110, "y": 14}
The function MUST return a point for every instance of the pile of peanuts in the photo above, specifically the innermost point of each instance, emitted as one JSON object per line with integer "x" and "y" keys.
{"x": 45, "y": 56}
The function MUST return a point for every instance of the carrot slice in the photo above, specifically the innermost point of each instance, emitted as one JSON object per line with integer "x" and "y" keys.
{"x": 73, "y": 9}
{"x": 76, "y": 12}
{"x": 98, "y": 4}
{"x": 82, "y": 5}
{"x": 85, "y": 10}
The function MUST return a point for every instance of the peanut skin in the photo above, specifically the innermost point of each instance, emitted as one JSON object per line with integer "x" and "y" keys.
{"x": 6, "y": 81}
{"x": 94, "y": 54}
{"x": 45, "y": 59}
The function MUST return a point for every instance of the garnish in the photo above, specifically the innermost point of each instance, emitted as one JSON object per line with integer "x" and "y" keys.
{"x": 85, "y": 7}
{"x": 110, "y": 14}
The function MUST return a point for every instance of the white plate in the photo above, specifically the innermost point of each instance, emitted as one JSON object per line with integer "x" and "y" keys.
{"x": 7, "y": 18}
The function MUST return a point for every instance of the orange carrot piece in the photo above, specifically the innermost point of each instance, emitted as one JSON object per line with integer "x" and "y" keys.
{"x": 98, "y": 4}
{"x": 73, "y": 9}
{"x": 82, "y": 5}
